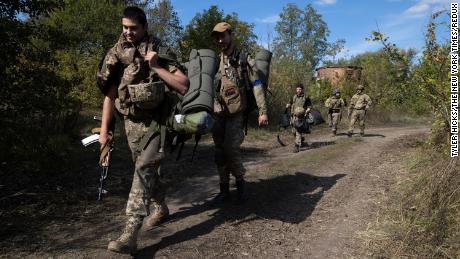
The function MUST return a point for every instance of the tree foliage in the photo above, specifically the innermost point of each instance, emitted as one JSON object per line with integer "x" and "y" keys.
{"x": 302, "y": 40}
{"x": 429, "y": 78}
{"x": 165, "y": 23}
{"x": 301, "y": 44}
{"x": 198, "y": 32}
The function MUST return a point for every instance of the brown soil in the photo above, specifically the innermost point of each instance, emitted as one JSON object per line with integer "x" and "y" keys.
{"x": 312, "y": 204}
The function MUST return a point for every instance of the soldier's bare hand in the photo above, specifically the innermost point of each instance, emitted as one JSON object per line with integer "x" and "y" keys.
{"x": 263, "y": 120}
{"x": 104, "y": 139}
{"x": 151, "y": 58}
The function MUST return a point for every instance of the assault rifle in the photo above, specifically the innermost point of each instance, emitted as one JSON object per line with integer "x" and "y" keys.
{"x": 106, "y": 152}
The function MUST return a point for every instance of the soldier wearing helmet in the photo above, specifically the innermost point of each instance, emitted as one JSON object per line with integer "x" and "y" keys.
{"x": 335, "y": 104}
{"x": 359, "y": 104}
{"x": 299, "y": 106}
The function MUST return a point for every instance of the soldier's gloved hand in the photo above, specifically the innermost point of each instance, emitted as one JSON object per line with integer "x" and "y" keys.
{"x": 263, "y": 120}
{"x": 152, "y": 58}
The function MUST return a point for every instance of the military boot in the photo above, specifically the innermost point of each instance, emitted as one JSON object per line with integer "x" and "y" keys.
{"x": 334, "y": 132}
{"x": 361, "y": 133}
{"x": 296, "y": 148}
{"x": 224, "y": 194}
{"x": 127, "y": 242}
{"x": 241, "y": 190}
{"x": 349, "y": 133}
{"x": 158, "y": 216}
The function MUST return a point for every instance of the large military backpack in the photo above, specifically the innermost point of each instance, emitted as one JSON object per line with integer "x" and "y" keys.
{"x": 191, "y": 114}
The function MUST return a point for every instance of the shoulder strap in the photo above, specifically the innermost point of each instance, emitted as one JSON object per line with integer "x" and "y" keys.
{"x": 221, "y": 65}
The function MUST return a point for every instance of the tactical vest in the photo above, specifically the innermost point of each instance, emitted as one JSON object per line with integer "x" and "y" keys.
{"x": 361, "y": 101}
{"x": 231, "y": 91}
{"x": 298, "y": 101}
{"x": 141, "y": 90}
{"x": 335, "y": 104}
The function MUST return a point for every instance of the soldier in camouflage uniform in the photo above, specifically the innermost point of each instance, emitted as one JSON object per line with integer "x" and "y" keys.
{"x": 300, "y": 106}
{"x": 133, "y": 78}
{"x": 236, "y": 75}
{"x": 359, "y": 104}
{"x": 335, "y": 104}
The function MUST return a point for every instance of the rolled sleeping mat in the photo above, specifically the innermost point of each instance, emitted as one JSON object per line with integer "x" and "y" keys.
{"x": 202, "y": 68}
{"x": 263, "y": 59}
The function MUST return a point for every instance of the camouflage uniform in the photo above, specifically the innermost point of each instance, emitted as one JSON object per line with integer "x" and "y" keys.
{"x": 299, "y": 103}
{"x": 359, "y": 104}
{"x": 122, "y": 66}
{"x": 228, "y": 128}
{"x": 335, "y": 105}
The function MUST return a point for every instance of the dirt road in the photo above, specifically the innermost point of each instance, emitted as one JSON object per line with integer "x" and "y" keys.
{"x": 312, "y": 204}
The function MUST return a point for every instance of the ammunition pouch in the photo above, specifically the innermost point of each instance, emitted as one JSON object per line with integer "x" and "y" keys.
{"x": 147, "y": 96}
{"x": 233, "y": 97}
{"x": 334, "y": 110}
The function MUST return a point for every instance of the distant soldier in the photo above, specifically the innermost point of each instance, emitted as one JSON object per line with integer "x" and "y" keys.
{"x": 335, "y": 104}
{"x": 300, "y": 106}
{"x": 359, "y": 104}
{"x": 236, "y": 75}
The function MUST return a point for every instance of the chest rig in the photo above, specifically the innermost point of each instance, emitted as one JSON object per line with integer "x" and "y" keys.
{"x": 232, "y": 83}
{"x": 140, "y": 90}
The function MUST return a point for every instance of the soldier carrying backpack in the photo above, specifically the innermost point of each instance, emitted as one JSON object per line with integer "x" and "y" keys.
{"x": 237, "y": 78}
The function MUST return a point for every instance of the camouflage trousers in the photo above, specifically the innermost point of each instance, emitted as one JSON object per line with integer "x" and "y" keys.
{"x": 228, "y": 136}
{"x": 298, "y": 137}
{"x": 147, "y": 185}
{"x": 357, "y": 115}
{"x": 335, "y": 120}
{"x": 329, "y": 119}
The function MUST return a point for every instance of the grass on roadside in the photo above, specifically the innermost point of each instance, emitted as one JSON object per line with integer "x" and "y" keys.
{"x": 423, "y": 216}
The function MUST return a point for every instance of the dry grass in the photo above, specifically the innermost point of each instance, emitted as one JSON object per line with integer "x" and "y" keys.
{"x": 422, "y": 219}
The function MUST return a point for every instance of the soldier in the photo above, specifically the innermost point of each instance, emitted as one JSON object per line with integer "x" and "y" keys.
{"x": 236, "y": 75}
{"x": 300, "y": 105}
{"x": 133, "y": 78}
{"x": 359, "y": 104}
{"x": 335, "y": 104}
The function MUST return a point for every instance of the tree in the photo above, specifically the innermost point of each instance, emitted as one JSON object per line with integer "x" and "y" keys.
{"x": 165, "y": 23}
{"x": 47, "y": 72}
{"x": 302, "y": 42}
{"x": 430, "y": 77}
{"x": 198, "y": 32}
{"x": 287, "y": 42}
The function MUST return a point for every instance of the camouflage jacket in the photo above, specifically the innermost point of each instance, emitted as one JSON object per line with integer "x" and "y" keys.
{"x": 124, "y": 65}
{"x": 360, "y": 102}
{"x": 335, "y": 104}
{"x": 231, "y": 67}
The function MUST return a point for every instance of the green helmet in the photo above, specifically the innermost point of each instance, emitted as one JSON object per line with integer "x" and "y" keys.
{"x": 360, "y": 87}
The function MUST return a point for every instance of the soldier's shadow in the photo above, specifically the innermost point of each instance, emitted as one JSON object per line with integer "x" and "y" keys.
{"x": 288, "y": 198}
